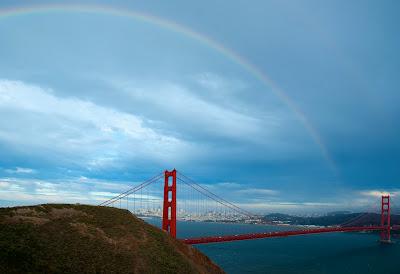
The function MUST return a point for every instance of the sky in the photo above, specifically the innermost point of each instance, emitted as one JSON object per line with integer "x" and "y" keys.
{"x": 287, "y": 106}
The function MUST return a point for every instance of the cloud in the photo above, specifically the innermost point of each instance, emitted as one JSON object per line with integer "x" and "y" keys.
{"x": 8, "y": 185}
{"x": 257, "y": 200}
{"x": 79, "y": 130}
{"x": 240, "y": 191}
{"x": 214, "y": 82}
{"x": 72, "y": 190}
{"x": 21, "y": 170}
{"x": 258, "y": 191}
{"x": 380, "y": 193}
{"x": 96, "y": 137}
{"x": 196, "y": 112}
{"x": 106, "y": 194}
{"x": 224, "y": 185}
{"x": 290, "y": 207}
{"x": 4, "y": 185}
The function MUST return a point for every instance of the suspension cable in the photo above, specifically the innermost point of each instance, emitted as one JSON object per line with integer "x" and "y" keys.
{"x": 243, "y": 211}
{"x": 132, "y": 190}
{"x": 216, "y": 198}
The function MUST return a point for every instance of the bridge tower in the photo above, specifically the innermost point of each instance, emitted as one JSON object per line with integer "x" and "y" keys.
{"x": 385, "y": 219}
{"x": 169, "y": 205}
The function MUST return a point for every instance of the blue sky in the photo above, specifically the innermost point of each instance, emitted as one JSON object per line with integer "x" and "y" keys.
{"x": 91, "y": 102}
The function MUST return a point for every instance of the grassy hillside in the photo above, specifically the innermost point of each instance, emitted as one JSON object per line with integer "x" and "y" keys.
{"x": 89, "y": 239}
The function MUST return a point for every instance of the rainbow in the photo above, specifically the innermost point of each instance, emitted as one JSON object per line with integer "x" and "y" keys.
{"x": 187, "y": 32}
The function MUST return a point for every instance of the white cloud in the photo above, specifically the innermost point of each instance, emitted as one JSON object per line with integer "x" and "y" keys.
{"x": 240, "y": 191}
{"x": 71, "y": 190}
{"x": 4, "y": 185}
{"x": 21, "y": 170}
{"x": 217, "y": 83}
{"x": 258, "y": 191}
{"x": 223, "y": 185}
{"x": 79, "y": 129}
{"x": 290, "y": 207}
{"x": 9, "y": 185}
{"x": 91, "y": 191}
{"x": 258, "y": 200}
{"x": 199, "y": 114}
{"x": 380, "y": 193}
{"x": 104, "y": 194}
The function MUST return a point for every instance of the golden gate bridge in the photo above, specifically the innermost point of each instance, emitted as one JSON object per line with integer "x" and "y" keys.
{"x": 197, "y": 203}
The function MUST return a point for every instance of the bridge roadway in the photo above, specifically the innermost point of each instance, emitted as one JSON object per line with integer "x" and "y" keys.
{"x": 275, "y": 234}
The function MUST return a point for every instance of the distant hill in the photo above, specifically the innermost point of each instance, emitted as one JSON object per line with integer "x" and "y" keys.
{"x": 90, "y": 239}
{"x": 334, "y": 218}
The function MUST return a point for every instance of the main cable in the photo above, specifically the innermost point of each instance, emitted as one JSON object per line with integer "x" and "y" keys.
{"x": 131, "y": 190}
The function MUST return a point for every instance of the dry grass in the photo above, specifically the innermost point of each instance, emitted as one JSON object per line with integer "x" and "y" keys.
{"x": 89, "y": 239}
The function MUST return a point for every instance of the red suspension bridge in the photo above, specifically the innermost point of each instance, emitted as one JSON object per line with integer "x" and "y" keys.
{"x": 197, "y": 203}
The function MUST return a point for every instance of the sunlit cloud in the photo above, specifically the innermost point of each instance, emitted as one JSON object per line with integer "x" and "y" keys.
{"x": 22, "y": 190}
{"x": 21, "y": 170}
{"x": 76, "y": 127}
{"x": 379, "y": 193}
{"x": 188, "y": 107}
{"x": 258, "y": 191}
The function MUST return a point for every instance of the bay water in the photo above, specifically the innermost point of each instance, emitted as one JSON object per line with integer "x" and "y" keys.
{"x": 331, "y": 253}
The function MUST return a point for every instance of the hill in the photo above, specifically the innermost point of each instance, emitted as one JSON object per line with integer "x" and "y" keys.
{"x": 89, "y": 239}
{"x": 336, "y": 218}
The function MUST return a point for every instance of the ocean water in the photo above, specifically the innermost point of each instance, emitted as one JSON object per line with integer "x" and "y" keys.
{"x": 330, "y": 253}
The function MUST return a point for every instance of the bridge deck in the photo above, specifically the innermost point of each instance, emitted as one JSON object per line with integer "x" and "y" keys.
{"x": 240, "y": 237}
